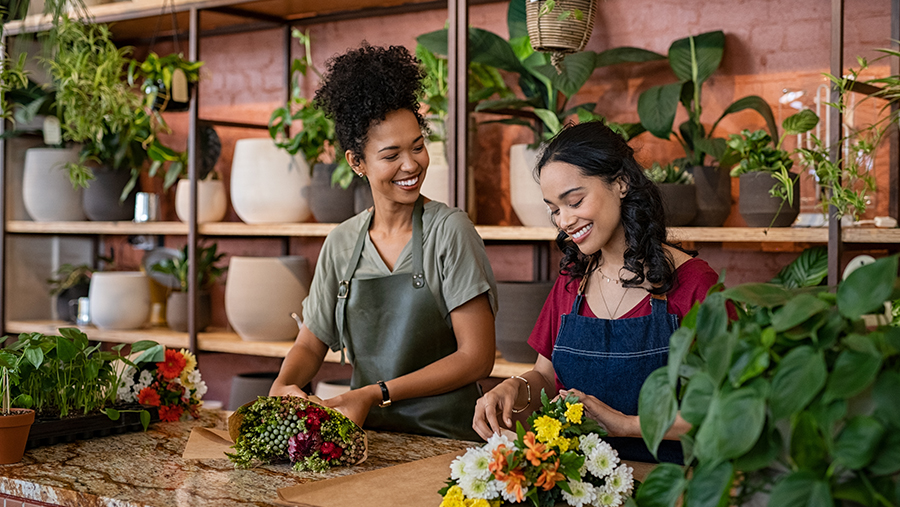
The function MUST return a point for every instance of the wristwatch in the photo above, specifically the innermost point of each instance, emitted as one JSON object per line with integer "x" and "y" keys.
{"x": 385, "y": 395}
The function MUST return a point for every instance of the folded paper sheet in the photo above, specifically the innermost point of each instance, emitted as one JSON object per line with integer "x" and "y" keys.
{"x": 207, "y": 443}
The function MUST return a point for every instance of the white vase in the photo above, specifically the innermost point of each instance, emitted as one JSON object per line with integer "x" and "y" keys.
{"x": 119, "y": 299}
{"x": 211, "y": 201}
{"x": 267, "y": 184}
{"x": 437, "y": 180}
{"x": 262, "y": 292}
{"x": 46, "y": 190}
{"x": 525, "y": 192}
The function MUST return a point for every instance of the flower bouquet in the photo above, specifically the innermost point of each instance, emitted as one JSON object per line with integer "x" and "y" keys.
{"x": 174, "y": 385}
{"x": 312, "y": 437}
{"x": 562, "y": 460}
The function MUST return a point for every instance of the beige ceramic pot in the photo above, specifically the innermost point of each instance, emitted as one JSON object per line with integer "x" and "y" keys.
{"x": 119, "y": 299}
{"x": 14, "y": 431}
{"x": 46, "y": 190}
{"x": 525, "y": 192}
{"x": 262, "y": 292}
{"x": 267, "y": 184}
{"x": 211, "y": 201}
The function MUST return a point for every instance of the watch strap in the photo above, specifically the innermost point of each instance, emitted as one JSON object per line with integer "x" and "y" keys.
{"x": 385, "y": 395}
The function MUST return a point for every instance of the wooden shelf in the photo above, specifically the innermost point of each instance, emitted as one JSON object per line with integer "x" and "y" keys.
{"x": 211, "y": 341}
{"x": 242, "y": 229}
{"x": 130, "y": 228}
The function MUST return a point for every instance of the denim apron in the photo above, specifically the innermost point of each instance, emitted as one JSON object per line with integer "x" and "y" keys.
{"x": 391, "y": 326}
{"x": 610, "y": 359}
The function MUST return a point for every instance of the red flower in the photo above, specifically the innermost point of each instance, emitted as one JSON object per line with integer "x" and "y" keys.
{"x": 170, "y": 413}
{"x": 328, "y": 448}
{"x": 148, "y": 396}
{"x": 173, "y": 364}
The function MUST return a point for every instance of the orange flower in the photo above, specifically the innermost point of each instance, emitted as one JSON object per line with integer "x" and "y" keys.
{"x": 536, "y": 452}
{"x": 497, "y": 465}
{"x": 549, "y": 477}
{"x": 172, "y": 365}
{"x": 170, "y": 413}
{"x": 514, "y": 480}
{"x": 148, "y": 396}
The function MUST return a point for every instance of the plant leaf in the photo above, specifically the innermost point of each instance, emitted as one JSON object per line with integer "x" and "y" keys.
{"x": 856, "y": 444}
{"x": 852, "y": 372}
{"x": 697, "y": 398}
{"x": 732, "y": 425}
{"x": 798, "y": 379}
{"x": 764, "y": 295}
{"x": 755, "y": 103}
{"x": 797, "y": 311}
{"x": 656, "y": 109}
{"x": 112, "y": 413}
{"x": 704, "y": 58}
{"x": 801, "y": 489}
{"x": 516, "y": 19}
{"x": 885, "y": 396}
{"x": 679, "y": 344}
{"x": 578, "y": 69}
{"x": 866, "y": 289}
{"x": 662, "y": 486}
{"x": 807, "y": 270}
{"x": 800, "y": 123}
{"x": 709, "y": 485}
{"x": 624, "y": 54}
{"x": 657, "y": 407}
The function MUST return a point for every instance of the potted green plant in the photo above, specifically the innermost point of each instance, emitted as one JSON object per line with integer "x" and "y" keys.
{"x": 766, "y": 184}
{"x": 207, "y": 274}
{"x": 795, "y": 397}
{"x": 693, "y": 60}
{"x": 15, "y": 423}
{"x": 168, "y": 81}
{"x": 69, "y": 283}
{"x": 679, "y": 194}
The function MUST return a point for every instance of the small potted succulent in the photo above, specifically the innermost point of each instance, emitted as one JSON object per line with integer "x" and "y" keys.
{"x": 769, "y": 193}
{"x": 679, "y": 194}
{"x": 207, "y": 274}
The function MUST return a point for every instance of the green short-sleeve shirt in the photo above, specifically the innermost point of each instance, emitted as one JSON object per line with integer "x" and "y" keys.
{"x": 456, "y": 266}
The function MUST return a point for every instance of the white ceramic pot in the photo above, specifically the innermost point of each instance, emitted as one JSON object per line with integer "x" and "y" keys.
{"x": 437, "y": 180}
{"x": 262, "y": 292}
{"x": 525, "y": 192}
{"x": 119, "y": 299}
{"x": 211, "y": 201}
{"x": 267, "y": 184}
{"x": 46, "y": 190}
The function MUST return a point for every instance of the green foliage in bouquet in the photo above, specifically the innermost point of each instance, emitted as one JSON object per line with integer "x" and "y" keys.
{"x": 312, "y": 437}
{"x": 562, "y": 459}
{"x": 796, "y": 397}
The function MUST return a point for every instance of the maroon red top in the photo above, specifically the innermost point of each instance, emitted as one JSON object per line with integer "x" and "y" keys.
{"x": 693, "y": 279}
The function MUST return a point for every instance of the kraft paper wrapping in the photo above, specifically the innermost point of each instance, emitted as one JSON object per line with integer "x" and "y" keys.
{"x": 206, "y": 443}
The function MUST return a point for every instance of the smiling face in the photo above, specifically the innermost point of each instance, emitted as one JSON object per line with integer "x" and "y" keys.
{"x": 395, "y": 159}
{"x": 584, "y": 207}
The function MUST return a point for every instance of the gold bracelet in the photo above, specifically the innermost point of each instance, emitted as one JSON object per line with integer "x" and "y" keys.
{"x": 527, "y": 391}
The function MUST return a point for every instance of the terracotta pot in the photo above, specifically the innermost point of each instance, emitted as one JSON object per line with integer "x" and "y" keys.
{"x": 525, "y": 193}
{"x": 679, "y": 203}
{"x": 47, "y": 192}
{"x": 119, "y": 299}
{"x": 211, "y": 201}
{"x": 14, "y": 434}
{"x": 520, "y": 305}
{"x": 101, "y": 198}
{"x": 329, "y": 204}
{"x": 268, "y": 185}
{"x": 713, "y": 196}
{"x": 759, "y": 209}
{"x": 262, "y": 292}
{"x": 177, "y": 313}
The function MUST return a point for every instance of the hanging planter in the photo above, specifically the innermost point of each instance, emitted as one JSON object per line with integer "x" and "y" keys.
{"x": 560, "y": 27}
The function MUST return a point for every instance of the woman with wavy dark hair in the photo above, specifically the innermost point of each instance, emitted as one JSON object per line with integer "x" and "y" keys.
{"x": 622, "y": 291}
{"x": 404, "y": 287}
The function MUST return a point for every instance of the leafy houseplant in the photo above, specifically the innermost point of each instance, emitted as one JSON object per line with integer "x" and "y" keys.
{"x": 763, "y": 169}
{"x": 678, "y": 192}
{"x": 809, "y": 269}
{"x": 15, "y": 424}
{"x": 207, "y": 274}
{"x": 795, "y": 398}
{"x": 69, "y": 283}
{"x": 159, "y": 74}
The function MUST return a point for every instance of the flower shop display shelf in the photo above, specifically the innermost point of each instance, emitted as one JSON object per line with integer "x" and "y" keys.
{"x": 47, "y": 431}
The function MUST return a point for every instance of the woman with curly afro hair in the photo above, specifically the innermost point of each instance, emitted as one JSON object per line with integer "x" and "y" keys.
{"x": 404, "y": 287}
{"x": 622, "y": 291}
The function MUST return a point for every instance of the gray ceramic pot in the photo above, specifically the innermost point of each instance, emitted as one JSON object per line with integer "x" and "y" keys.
{"x": 520, "y": 305}
{"x": 679, "y": 203}
{"x": 177, "y": 314}
{"x": 101, "y": 198}
{"x": 713, "y": 196}
{"x": 329, "y": 204}
{"x": 247, "y": 386}
{"x": 759, "y": 209}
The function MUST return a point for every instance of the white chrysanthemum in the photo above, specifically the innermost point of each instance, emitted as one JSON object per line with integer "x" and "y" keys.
{"x": 588, "y": 443}
{"x": 459, "y": 466}
{"x": 583, "y": 493}
{"x": 603, "y": 460}
{"x": 477, "y": 463}
{"x": 200, "y": 389}
{"x": 621, "y": 480}
{"x": 124, "y": 391}
{"x": 479, "y": 488}
{"x": 144, "y": 380}
{"x": 194, "y": 377}
{"x": 511, "y": 497}
{"x": 608, "y": 498}
{"x": 496, "y": 441}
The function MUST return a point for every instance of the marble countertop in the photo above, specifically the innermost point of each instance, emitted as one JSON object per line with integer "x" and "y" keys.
{"x": 146, "y": 469}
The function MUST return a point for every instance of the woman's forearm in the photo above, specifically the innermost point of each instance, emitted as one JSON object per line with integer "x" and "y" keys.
{"x": 302, "y": 361}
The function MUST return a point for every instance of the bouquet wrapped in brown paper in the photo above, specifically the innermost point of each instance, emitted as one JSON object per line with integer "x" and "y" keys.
{"x": 312, "y": 437}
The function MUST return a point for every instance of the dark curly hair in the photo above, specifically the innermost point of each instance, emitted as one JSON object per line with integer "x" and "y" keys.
{"x": 600, "y": 152}
{"x": 363, "y": 85}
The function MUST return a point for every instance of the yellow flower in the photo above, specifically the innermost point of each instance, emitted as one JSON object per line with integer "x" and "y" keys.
{"x": 574, "y": 411}
{"x": 562, "y": 443}
{"x": 477, "y": 502}
{"x": 547, "y": 428}
{"x": 454, "y": 498}
{"x": 190, "y": 362}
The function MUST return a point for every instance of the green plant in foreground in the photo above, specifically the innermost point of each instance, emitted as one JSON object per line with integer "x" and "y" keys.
{"x": 207, "y": 271}
{"x": 809, "y": 269}
{"x": 795, "y": 397}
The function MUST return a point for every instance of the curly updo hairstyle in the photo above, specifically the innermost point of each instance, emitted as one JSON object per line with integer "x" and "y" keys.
{"x": 363, "y": 85}
{"x": 599, "y": 152}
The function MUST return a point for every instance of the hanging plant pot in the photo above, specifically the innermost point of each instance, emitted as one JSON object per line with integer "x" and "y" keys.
{"x": 560, "y": 27}
{"x": 679, "y": 203}
{"x": 165, "y": 102}
{"x": 329, "y": 204}
{"x": 14, "y": 429}
{"x": 759, "y": 209}
{"x": 47, "y": 192}
{"x": 101, "y": 199}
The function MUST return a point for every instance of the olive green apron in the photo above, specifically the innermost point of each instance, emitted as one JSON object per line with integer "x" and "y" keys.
{"x": 391, "y": 326}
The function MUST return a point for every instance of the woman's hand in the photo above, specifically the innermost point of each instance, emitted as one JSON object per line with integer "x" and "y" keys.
{"x": 279, "y": 389}
{"x": 495, "y": 406}
{"x": 355, "y": 404}
{"x": 614, "y": 422}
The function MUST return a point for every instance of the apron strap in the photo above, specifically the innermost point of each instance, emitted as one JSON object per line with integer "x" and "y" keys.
{"x": 344, "y": 284}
